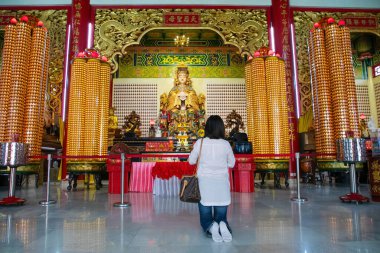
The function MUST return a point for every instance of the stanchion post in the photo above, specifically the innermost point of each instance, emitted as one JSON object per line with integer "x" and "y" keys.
{"x": 122, "y": 203}
{"x": 298, "y": 199}
{"x": 48, "y": 201}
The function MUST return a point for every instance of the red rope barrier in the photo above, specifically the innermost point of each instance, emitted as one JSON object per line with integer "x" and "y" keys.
{"x": 174, "y": 155}
{"x": 317, "y": 154}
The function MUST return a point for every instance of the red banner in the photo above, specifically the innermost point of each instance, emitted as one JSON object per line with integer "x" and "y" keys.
{"x": 5, "y": 20}
{"x": 361, "y": 22}
{"x": 182, "y": 19}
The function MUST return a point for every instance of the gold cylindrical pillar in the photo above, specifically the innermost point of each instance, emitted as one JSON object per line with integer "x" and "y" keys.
{"x": 322, "y": 104}
{"x": 270, "y": 112}
{"x": 248, "y": 87}
{"x": 285, "y": 138}
{"x": 272, "y": 79}
{"x": 34, "y": 106}
{"x": 349, "y": 78}
{"x": 91, "y": 142}
{"x": 338, "y": 87}
{"x": 104, "y": 103}
{"x": 5, "y": 78}
{"x": 261, "y": 142}
{"x": 76, "y": 122}
{"x": 17, "y": 93}
{"x": 334, "y": 91}
{"x": 44, "y": 83}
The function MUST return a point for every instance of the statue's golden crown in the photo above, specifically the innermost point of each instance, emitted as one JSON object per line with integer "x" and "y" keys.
{"x": 182, "y": 67}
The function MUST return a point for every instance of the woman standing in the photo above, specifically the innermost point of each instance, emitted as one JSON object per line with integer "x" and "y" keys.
{"x": 216, "y": 156}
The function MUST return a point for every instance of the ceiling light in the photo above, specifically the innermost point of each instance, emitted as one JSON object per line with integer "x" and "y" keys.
{"x": 181, "y": 40}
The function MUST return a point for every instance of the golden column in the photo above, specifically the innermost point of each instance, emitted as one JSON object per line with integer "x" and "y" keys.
{"x": 266, "y": 93}
{"x": 320, "y": 79}
{"x": 248, "y": 88}
{"x": 75, "y": 126}
{"x": 6, "y": 78}
{"x": 92, "y": 91}
{"x": 19, "y": 75}
{"x": 283, "y": 107}
{"x": 349, "y": 79}
{"x": 334, "y": 91}
{"x": 260, "y": 134}
{"x": 88, "y": 114}
{"x": 334, "y": 45}
{"x": 23, "y": 84}
{"x": 104, "y": 104}
{"x": 36, "y": 87}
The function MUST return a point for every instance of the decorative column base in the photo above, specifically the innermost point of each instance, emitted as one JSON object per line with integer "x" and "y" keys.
{"x": 275, "y": 166}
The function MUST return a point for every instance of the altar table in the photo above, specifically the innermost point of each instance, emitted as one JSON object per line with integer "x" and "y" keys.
{"x": 161, "y": 178}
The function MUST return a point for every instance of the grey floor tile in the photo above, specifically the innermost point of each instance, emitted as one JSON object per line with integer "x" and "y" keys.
{"x": 265, "y": 221}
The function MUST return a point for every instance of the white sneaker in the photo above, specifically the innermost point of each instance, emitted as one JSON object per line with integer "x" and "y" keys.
{"x": 226, "y": 234}
{"x": 214, "y": 230}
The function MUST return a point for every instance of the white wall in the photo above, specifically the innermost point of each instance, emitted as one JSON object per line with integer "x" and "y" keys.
{"x": 361, "y": 4}
{"x": 34, "y": 2}
{"x": 357, "y": 4}
{"x": 176, "y": 2}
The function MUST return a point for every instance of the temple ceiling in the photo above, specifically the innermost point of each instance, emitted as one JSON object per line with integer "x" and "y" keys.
{"x": 118, "y": 29}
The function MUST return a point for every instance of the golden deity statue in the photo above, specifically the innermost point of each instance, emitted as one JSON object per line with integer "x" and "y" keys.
{"x": 132, "y": 125}
{"x": 234, "y": 122}
{"x": 182, "y": 96}
{"x": 112, "y": 119}
{"x": 182, "y": 108}
{"x": 112, "y": 126}
{"x": 364, "y": 131}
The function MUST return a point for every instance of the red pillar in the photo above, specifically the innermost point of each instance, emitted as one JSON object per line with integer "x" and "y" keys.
{"x": 78, "y": 29}
{"x": 80, "y": 22}
{"x": 280, "y": 20}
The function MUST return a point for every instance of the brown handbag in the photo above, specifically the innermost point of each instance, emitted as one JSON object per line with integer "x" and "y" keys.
{"x": 190, "y": 186}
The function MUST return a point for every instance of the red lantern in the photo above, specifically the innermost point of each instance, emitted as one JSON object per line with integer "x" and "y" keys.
{"x": 40, "y": 24}
{"x": 331, "y": 21}
{"x": 24, "y": 19}
{"x": 13, "y": 21}
{"x": 256, "y": 54}
{"x": 94, "y": 54}
{"x": 317, "y": 25}
{"x": 342, "y": 22}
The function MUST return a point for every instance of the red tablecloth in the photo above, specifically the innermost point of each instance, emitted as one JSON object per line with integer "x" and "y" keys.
{"x": 166, "y": 170}
{"x": 143, "y": 173}
{"x": 141, "y": 177}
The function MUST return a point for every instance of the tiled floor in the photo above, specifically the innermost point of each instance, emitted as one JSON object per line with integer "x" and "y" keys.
{"x": 265, "y": 222}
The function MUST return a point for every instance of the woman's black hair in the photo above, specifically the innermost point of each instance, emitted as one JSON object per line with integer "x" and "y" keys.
{"x": 214, "y": 127}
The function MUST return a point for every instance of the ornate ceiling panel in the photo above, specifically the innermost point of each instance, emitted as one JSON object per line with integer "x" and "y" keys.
{"x": 117, "y": 29}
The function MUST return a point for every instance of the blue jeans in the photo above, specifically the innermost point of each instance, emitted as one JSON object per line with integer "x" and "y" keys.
{"x": 209, "y": 214}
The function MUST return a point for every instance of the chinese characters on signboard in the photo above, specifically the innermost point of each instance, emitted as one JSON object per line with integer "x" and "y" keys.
{"x": 182, "y": 19}
{"x": 361, "y": 22}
